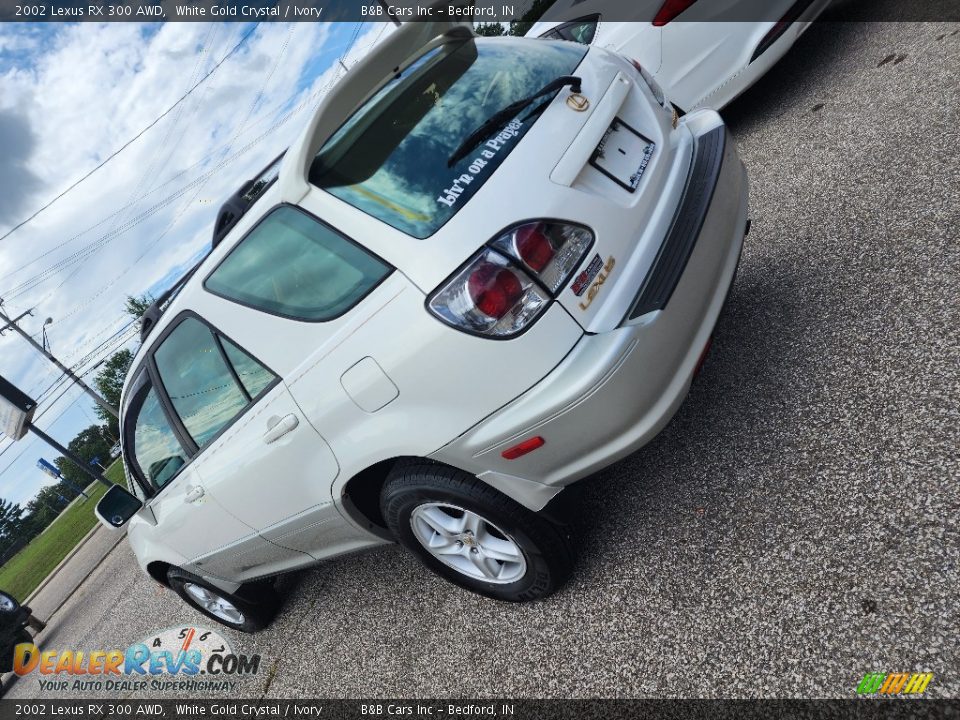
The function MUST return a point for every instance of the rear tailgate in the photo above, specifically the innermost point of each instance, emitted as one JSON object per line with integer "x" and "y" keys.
{"x": 632, "y": 164}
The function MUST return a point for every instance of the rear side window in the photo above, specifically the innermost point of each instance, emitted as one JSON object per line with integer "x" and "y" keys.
{"x": 155, "y": 446}
{"x": 293, "y": 266}
{"x": 252, "y": 375}
{"x": 580, "y": 31}
{"x": 204, "y": 385}
{"x": 390, "y": 159}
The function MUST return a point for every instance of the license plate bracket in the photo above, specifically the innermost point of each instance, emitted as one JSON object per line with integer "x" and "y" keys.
{"x": 623, "y": 155}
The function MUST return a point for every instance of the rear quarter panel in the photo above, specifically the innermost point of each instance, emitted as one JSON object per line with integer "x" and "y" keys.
{"x": 447, "y": 381}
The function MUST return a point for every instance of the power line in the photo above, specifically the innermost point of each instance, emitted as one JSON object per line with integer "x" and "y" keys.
{"x": 11, "y": 324}
{"x": 89, "y": 249}
{"x": 53, "y": 387}
{"x": 135, "y": 137}
{"x": 108, "y": 237}
{"x": 38, "y": 417}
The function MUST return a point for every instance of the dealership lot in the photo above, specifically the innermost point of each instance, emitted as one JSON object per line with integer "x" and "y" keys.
{"x": 793, "y": 528}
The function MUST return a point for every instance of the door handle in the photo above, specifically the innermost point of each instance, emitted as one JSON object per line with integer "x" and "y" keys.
{"x": 280, "y": 428}
{"x": 193, "y": 494}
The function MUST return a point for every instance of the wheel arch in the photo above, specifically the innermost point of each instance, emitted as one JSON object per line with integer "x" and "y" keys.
{"x": 158, "y": 571}
{"x": 360, "y": 496}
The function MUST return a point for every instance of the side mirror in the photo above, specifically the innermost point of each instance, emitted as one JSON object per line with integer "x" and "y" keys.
{"x": 116, "y": 507}
{"x": 8, "y": 603}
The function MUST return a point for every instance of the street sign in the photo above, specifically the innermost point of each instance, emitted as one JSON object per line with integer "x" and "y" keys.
{"x": 49, "y": 468}
{"x": 16, "y": 411}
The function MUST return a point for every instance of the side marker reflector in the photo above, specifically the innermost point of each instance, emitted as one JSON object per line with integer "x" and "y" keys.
{"x": 523, "y": 448}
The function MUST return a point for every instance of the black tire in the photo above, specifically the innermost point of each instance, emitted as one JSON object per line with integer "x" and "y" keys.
{"x": 6, "y": 660}
{"x": 257, "y": 603}
{"x": 545, "y": 546}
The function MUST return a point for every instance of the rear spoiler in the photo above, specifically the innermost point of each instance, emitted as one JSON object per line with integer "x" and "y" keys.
{"x": 390, "y": 57}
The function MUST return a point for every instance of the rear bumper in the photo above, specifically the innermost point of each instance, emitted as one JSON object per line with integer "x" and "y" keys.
{"x": 616, "y": 390}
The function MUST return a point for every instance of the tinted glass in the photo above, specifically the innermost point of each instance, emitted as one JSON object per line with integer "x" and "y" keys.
{"x": 581, "y": 31}
{"x": 254, "y": 376}
{"x": 390, "y": 158}
{"x": 155, "y": 447}
{"x": 294, "y": 266}
{"x": 198, "y": 381}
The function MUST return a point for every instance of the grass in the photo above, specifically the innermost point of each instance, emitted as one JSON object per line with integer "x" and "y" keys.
{"x": 27, "y": 569}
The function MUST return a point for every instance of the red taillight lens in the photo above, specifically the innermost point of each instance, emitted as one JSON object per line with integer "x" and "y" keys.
{"x": 669, "y": 10}
{"x": 549, "y": 249}
{"x": 489, "y": 296}
{"x": 494, "y": 289}
{"x": 534, "y": 246}
{"x": 506, "y": 286}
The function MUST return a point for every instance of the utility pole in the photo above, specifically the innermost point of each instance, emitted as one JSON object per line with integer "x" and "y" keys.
{"x": 69, "y": 455}
{"x": 11, "y": 324}
{"x": 16, "y": 420}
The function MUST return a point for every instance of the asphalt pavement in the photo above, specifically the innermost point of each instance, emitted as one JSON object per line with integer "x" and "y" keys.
{"x": 793, "y": 528}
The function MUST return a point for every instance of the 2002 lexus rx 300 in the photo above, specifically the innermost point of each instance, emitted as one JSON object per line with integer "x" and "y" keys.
{"x": 488, "y": 268}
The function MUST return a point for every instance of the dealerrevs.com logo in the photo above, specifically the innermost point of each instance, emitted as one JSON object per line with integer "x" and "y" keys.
{"x": 894, "y": 683}
{"x": 182, "y": 659}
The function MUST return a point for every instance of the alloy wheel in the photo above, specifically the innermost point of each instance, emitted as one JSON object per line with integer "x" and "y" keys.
{"x": 468, "y": 543}
{"x": 214, "y": 604}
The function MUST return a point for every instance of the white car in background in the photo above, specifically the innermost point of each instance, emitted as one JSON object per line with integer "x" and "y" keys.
{"x": 488, "y": 268}
{"x": 699, "y": 61}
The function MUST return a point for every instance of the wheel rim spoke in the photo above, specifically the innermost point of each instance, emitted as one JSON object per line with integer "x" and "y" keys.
{"x": 468, "y": 543}
{"x": 441, "y": 523}
{"x": 472, "y": 523}
{"x": 502, "y": 550}
{"x": 214, "y": 604}
{"x": 481, "y": 563}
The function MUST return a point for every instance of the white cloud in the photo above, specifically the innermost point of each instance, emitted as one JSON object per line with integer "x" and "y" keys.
{"x": 83, "y": 90}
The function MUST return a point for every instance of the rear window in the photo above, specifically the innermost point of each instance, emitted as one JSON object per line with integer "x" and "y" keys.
{"x": 293, "y": 266}
{"x": 390, "y": 158}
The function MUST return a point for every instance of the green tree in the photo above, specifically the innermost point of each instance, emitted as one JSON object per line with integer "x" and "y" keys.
{"x": 490, "y": 29}
{"x": 11, "y": 520}
{"x": 137, "y": 305}
{"x": 537, "y": 9}
{"x": 91, "y": 442}
{"x": 109, "y": 382}
{"x": 42, "y": 510}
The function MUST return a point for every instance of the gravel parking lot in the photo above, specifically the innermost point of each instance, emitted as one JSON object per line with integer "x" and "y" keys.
{"x": 795, "y": 526}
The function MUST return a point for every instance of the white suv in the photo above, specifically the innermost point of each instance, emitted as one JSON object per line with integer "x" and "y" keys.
{"x": 428, "y": 319}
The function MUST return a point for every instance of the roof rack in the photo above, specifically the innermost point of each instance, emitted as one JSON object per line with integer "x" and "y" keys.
{"x": 230, "y": 213}
{"x": 237, "y": 204}
{"x": 152, "y": 314}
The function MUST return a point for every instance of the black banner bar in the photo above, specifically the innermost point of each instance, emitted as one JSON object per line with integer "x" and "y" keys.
{"x": 479, "y": 11}
{"x": 860, "y": 709}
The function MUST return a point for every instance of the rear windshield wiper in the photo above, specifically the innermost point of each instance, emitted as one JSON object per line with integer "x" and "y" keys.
{"x": 500, "y": 118}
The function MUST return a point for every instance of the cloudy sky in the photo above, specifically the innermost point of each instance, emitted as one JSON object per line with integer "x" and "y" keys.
{"x": 70, "y": 97}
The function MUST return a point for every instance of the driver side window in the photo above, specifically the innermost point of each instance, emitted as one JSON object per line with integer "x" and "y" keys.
{"x": 155, "y": 446}
{"x": 205, "y": 382}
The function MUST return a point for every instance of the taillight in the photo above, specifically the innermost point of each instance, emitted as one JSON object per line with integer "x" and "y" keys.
{"x": 489, "y": 297}
{"x": 506, "y": 286}
{"x": 651, "y": 83}
{"x": 669, "y": 10}
{"x": 494, "y": 289}
{"x": 533, "y": 246}
{"x": 550, "y": 250}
